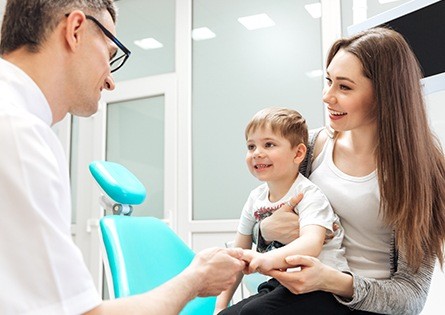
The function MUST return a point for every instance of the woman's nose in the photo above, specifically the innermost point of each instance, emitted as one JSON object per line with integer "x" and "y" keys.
{"x": 328, "y": 96}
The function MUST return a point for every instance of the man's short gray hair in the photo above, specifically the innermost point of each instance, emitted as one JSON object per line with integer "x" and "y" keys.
{"x": 28, "y": 22}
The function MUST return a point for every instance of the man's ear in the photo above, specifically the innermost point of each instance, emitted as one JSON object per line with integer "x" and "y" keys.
{"x": 74, "y": 29}
{"x": 300, "y": 153}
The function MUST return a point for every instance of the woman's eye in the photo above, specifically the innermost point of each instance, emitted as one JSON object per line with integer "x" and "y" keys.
{"x": 344, "y": 87}
{"x": 329, "y": 81}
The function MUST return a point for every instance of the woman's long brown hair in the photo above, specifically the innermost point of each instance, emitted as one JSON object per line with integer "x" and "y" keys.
{"x": 410, "y": 161}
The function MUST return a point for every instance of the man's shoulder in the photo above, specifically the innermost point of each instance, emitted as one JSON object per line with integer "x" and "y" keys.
{"x": 18, "y": 118}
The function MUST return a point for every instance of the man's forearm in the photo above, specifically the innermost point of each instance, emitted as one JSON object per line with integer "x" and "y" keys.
{"x": 169, "y": 298}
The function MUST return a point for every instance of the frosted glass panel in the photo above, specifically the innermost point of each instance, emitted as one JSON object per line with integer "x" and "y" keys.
{"x": 238, "y": 72}
{"x": 139, "y": 19}
{"x": 135, "y": 138}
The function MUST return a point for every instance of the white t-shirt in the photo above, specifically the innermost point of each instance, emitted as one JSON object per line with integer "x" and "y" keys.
{"x": 356, "y": 200}
{"x": 314, "y": 209}
{"x": 41, "y": 269}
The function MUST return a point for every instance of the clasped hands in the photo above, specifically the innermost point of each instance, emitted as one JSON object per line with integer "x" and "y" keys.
{"x": 261, "y": 262}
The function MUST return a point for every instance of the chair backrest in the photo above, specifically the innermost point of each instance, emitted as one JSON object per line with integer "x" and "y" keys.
{"x": 143, "y": 253}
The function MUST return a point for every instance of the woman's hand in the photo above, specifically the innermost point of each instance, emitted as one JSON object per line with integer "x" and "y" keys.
{"x": 283, "y": 225}
{"x": 308, "y": 279}
{"x": 313, "y": 276}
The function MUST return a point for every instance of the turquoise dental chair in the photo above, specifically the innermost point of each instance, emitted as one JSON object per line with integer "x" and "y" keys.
{"x": 140, "y": 253}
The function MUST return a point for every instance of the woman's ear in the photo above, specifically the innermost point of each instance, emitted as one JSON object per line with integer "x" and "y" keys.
{"x": 300, "y": 153}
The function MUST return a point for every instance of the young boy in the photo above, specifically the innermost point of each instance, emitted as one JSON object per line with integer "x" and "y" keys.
{"x": 276, "y": 145}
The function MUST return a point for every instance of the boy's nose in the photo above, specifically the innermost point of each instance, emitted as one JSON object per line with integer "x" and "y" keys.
{"x": 257, "y": 152}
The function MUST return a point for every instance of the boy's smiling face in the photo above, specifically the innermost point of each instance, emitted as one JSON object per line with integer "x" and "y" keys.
{"x": 270, "y": 157}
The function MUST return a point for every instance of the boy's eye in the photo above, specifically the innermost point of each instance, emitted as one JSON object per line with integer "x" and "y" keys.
{"x": 269, "y": 145}
{"x": 250, "y": 147}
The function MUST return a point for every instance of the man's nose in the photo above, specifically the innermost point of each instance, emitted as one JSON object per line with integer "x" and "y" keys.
{"x": 109, "y": 83}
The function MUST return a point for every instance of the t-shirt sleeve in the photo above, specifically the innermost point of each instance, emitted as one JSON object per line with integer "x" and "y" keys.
{"x": 247, "y": 219}
{"x": 315, "y": 209}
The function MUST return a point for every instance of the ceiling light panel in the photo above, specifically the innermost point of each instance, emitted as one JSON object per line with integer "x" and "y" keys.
{"x": 148, "y": 43}
{"x": 202, "y": 33}
{"x": 314, "y": 74}
{"x": 257, "y": 21}
{"x": 314, "y": 9}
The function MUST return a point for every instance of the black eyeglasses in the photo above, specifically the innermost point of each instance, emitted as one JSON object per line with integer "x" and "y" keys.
{"x": 118, "y": 59}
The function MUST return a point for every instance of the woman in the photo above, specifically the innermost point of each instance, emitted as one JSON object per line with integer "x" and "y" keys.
{"x": 383, "y": 172}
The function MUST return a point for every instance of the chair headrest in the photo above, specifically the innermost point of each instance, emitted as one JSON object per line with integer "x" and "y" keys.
{"x": 116, "y": 181}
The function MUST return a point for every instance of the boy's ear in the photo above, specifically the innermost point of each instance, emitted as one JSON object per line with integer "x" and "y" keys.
{"x": 300, "y": 153}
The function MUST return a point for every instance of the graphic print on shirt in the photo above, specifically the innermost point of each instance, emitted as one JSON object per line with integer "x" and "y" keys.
{"x": 264, "y": 212}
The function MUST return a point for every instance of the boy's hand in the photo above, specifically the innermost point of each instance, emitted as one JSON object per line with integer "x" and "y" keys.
{"x": 256, "y": 262}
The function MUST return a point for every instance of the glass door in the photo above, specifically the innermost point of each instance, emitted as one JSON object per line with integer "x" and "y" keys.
{"x": 135, "y": 139}
{"x": 136, "y": 126}
{"x": 139, "y": 123}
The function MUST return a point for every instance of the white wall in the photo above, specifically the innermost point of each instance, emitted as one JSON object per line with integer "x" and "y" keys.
{"x": 436, "y": 112}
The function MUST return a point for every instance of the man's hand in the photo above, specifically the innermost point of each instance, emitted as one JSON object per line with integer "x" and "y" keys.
{"x": 283, "y": 225}
{"x": 214, "y": 269}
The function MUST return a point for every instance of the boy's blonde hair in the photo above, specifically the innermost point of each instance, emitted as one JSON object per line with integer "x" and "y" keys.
{"x": 287, "y": 122}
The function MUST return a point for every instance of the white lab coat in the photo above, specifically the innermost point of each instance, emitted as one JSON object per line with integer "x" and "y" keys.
{"x": 41, "y": 269}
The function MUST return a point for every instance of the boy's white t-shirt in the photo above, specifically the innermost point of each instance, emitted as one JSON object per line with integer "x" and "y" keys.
{"x": 314, "y": 209}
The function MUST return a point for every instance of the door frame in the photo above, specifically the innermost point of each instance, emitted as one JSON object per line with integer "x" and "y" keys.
{"x": 92, "y": 146}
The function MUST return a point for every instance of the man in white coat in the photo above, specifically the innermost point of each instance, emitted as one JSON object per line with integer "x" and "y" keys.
{"x": 57, "y": 57}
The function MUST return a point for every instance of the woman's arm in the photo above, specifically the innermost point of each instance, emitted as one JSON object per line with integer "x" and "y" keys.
{"x": 404, "y": 293}
{"x": 313, "y": 276}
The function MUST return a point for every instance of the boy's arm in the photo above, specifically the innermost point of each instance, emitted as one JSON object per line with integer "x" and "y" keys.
{"x": 245, "y": 242}
{"x": 309, "y": 243}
